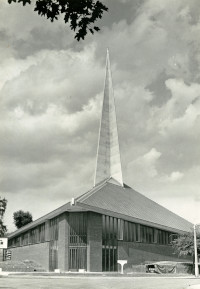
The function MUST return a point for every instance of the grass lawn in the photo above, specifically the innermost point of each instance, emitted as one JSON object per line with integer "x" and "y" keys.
{"x": 26, "y": 282}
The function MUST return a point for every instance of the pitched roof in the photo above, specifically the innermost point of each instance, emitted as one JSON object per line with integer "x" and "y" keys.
{"x": 131, "y": 205}
{"x": 122, "y": 202}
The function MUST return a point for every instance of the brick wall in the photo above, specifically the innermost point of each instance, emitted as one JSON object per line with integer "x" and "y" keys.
{"x": 37, "y": 252}
{"x": 140, "y": 253}
{"x": 94, "y": 247}
{"x": 63, "y": 242}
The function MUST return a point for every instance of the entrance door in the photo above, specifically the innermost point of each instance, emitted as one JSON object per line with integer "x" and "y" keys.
{"x": 109, "y": 243}
{"x": 78, "y": 241}
{"x": 77, "y": 258}
{"x": 109, "y": 259}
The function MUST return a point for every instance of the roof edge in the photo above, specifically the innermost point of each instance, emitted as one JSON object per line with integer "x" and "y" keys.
{"x": 60, "y": 210}
{"x": 131, "y": 219}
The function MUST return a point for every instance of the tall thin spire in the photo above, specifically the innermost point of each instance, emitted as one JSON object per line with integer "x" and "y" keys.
{"x": 108, "y": 156}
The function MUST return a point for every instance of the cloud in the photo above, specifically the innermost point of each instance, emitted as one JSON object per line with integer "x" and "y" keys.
{"x": 48, "y": 79}
{"x": 152, "y": 43}
{"x": 182, "y": 96}
{"x": 24, "y": 137}
{"x": 27, "y": 33}
{"x": 145, "y": 165}
{"x": 51, "y": 93}
{"x": 12, "y": 68}
{"x": 175, "y": 176}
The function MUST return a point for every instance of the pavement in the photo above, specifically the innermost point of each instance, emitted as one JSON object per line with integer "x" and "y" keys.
{"x": 66, "y": 281}
{"x": 97, "y": 275}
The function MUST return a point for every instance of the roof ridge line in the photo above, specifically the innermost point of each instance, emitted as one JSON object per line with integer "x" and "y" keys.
{"x": 92, "y": 191}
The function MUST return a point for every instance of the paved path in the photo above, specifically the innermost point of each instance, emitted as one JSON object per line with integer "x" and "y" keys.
{"x": 30, "y": 282}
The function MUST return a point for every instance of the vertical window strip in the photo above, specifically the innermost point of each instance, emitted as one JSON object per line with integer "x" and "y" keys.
{"x": 141, "y": 233}
{"x": 41, "y": 233}
{"x": 78, "y": 229}
{"x": 145, "y": 234}
{"x": 138, "y": 239}
{"x": 111, "y": 229}
{"x": 32, "y": 236}
{"x": 121, "y": 229}
{"x": 134, "y": 232}
{"x": 115, "y": 228}
{"x": 107, "y": 228}
{"x": 159, "y": 237}
{"x": 125, "y": 231}
{"x": 54, "y": 226}
{"x": 155, "y": 235}
{"x": 150, "y": 235}
{"x": 103, "y": 230}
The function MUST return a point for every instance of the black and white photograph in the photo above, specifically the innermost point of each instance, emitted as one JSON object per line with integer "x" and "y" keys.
{"x": 100, "y": 144}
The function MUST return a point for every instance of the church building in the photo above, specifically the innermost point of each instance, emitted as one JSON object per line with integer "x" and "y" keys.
{"x": 110, "y": 222}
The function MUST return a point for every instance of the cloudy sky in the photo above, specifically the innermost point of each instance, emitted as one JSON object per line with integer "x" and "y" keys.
{"x": 50, "y": 102}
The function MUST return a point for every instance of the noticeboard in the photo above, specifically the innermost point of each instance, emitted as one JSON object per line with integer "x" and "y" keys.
{"x": 3, "y": 243}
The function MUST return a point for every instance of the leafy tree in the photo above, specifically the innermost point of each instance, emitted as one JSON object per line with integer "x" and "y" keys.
{"x": 3, "y": 205}
{"x": 81, "y": 14}
{"x": 183, "y": 245}
{"x": 22, "y": 218}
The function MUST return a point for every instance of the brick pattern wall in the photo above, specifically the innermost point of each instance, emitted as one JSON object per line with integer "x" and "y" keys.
{"x": 63, "y": 242}
{"x": 37, "y": 252}
{"x": 94, "y": 247}
{"x": 140, "y": 253}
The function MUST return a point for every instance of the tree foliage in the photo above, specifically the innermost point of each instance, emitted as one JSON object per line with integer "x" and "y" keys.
{"x": 183, "y": 245}
{"x": 80, "y": 14}
{"x": 22, "y": 218}
{"x": 3, "y": 205}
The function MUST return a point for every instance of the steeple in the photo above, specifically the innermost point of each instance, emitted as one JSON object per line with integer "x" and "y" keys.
{"x": 108, "y": 163}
